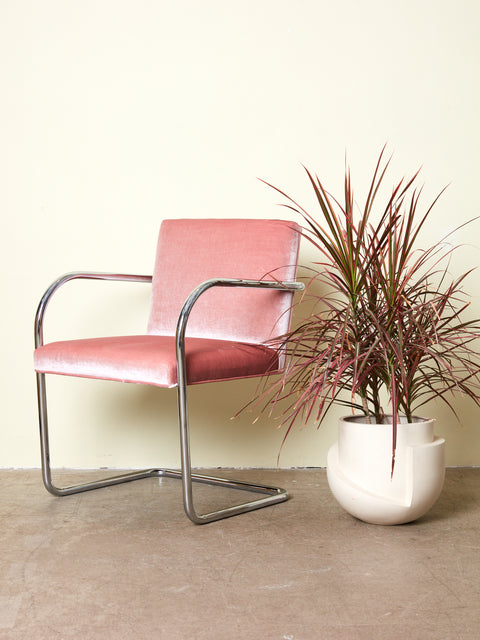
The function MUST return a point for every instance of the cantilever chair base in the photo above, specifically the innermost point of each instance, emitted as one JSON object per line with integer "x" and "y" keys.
{"x": 272, "y": 495}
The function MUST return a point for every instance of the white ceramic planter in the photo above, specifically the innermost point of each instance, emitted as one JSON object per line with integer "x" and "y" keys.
{"x": 359, "y": 470}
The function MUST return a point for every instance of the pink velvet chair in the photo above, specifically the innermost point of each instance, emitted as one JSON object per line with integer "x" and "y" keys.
{"x": 221, "y": 290}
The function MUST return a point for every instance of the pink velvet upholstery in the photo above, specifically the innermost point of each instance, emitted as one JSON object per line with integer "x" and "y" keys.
{"x": 192, "y": 251}
{"x": 151, "y": 359}
{"x": 227, "y": 328}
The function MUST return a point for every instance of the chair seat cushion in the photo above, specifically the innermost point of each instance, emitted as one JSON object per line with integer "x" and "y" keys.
{"x": 150, "y": 359}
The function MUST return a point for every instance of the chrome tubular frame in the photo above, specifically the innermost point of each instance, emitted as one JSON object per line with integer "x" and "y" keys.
{"x": 272, "y": 495}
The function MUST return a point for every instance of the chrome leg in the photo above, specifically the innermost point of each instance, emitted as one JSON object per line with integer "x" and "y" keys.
{"x": 273, "y": 494}
{"x": 45, "y": 455}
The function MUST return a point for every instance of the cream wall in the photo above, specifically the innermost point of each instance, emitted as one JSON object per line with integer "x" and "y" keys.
{"x": 118, "y": 113}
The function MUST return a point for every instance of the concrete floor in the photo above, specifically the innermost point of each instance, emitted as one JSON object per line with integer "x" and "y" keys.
{"x": 125, "y": 563}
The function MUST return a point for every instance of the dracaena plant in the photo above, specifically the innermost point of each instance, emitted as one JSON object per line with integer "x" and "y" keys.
{"x": 389, "y": 331}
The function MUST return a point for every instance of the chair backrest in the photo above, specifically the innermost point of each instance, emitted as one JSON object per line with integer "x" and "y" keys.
{"x": 191, "y": 251}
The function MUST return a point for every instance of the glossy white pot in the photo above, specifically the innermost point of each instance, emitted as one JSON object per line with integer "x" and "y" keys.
{"x": 359, "y": 469}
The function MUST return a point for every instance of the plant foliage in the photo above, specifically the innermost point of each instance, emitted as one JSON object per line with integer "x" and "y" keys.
{"x": 389, "y": 322}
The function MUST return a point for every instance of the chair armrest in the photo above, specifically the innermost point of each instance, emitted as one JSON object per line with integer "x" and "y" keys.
{"x": 86, "y": 275}
{"x": 222, "y": 282}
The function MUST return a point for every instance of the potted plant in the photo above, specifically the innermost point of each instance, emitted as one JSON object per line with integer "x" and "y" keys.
{"x": 387, "y": 334}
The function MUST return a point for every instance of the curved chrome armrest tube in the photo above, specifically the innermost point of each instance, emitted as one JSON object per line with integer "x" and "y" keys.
{"x": 86, "y": 275}
{"x": 227, "y": 282}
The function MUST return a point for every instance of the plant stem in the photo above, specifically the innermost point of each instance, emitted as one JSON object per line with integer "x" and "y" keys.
{"x": 365, "y": 408}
